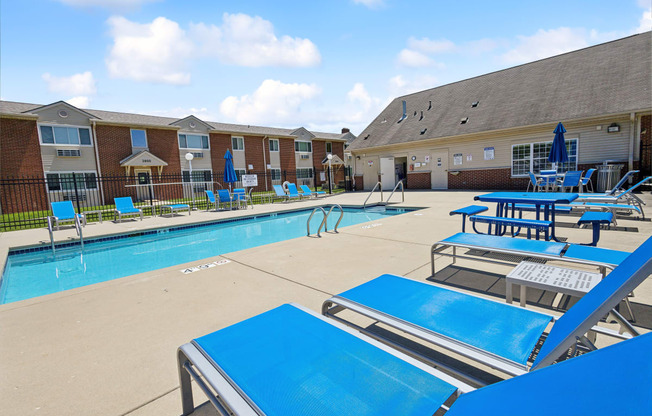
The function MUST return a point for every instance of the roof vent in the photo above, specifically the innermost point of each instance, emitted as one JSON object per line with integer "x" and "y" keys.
{"x": 404, "y": 116}
{"x": 63, "y": 113}
{"x": 421, "y": 118}
{"x": 384, "y": 120}
{"x": 424, "y": 131}
{"x": 192, "y": 125}
{"x": 366, "y": 137}
{"x": 464, "y": 120}
{"x": 415, "y": 113}
{"x": 475, "y": 104}
{"x": 429, "y": 104}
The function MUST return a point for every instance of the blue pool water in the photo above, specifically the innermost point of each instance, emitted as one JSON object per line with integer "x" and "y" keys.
{"x": 31, "y": 274}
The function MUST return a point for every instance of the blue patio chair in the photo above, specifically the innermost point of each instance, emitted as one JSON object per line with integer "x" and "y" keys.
{"x": 293, "y": 192}
{"x": 309, "y": 192}
{"x": 290, "y": 361}
{"x": 617, "y": 188}
{"x": 492, "y": 333}
{"x": 549, "y": 182}
{"x": 571, "y": 180}
{"x": 63, "y": 211}
{"x": 225, "y": 196}
{"x": 210, "y": 200}
{"x": 536, "y": 183}
{"x": 586, "y": 180}
{"x": 125, "y": 207}
{"x": 280, "y": 193}
{"x": 241, "y": 194}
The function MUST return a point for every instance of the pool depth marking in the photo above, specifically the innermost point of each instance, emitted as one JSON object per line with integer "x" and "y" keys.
{"x": 204, "y": 266}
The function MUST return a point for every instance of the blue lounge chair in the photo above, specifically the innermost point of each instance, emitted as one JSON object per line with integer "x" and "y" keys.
{"x": 173, "y": 208}
{"x": 63, "y": 211}
{"x": 617, "y": 188}
{"x": 492, "y": 333}
{"x": 289, "y": 361}
{"x": 280, "y": 193}
{"x": 125, "y": 207}
{"x": 586, "y": 180}
{"x": 308, "y": 192}
{"x": 225, "y": 196}
{"x": 210, "y": 200}
{"x": 624, "y": 197}
{"x": 241, "y": 194}
{"x": 293, "y": 192}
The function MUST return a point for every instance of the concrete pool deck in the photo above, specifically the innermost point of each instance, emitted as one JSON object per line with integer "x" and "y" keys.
{"x": 110, "y": 348}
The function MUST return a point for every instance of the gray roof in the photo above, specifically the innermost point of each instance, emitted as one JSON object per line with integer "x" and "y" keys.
{"x": 610, "y": 78}
{"x": 16, "y": 108}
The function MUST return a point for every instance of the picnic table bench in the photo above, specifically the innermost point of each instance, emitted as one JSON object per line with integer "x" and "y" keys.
{"x": 500, "y": 222}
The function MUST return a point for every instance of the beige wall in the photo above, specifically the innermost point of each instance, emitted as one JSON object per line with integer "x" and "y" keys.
{"x": 51, "y": 116}
{"x": 54, "y": 163}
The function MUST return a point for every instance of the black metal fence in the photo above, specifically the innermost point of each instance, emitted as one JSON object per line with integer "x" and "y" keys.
{"x": 25, "y": 201}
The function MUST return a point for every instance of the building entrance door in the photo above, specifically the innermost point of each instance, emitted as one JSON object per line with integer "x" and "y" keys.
{"x": 143, "y": 177}
{"x": 387, "y": 173}
{"x": 439, "y": 172}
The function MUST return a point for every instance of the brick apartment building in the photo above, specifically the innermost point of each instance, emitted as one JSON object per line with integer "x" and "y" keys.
{"x": 488, "y": 132}
{"x": 52, "y": 141}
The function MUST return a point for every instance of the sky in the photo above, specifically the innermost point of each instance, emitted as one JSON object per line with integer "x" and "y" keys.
{"x": 319, "y": 64}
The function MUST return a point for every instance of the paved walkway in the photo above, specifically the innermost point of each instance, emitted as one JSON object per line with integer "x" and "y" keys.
{"x": 110, "y": 348}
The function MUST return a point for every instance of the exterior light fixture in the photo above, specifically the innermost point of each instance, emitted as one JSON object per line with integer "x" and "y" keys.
{"x": 613, "y": 128}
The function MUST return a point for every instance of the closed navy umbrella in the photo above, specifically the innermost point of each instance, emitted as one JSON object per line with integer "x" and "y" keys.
{"x": 229, "y": 171}
{"x": 558, "y": 152}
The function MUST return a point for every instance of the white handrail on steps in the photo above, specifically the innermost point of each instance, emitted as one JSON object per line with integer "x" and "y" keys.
{"x": 378, "y": 184}
{"x": 323, "y": 222}
{"x": 400, "y": 183}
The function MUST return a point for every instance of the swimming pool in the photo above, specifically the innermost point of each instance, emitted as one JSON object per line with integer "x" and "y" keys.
{"x": 37, "y": 272}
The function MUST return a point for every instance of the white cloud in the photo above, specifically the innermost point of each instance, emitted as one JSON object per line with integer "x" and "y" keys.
{"x": 413, "y": 59}
{"x": 274, "y": 102}
{"x": 645, "y": 23}
{"x": 77, "y": 84}
{"x": 152, "y": 52}
{"x": 398, "y": 85}
{"x": 372, "y": 4}
{"x": 108, "y": 4}
{"x": 430, "y": 46}
{"x": 79, "y": 102}
{"x": 546, "y": 43}
{"x": 250, "y": 41}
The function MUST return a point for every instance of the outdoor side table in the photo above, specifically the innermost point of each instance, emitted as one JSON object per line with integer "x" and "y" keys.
{"x": 152, "y": 208}
{"x": 542, "y": 276}
{"x": 98, "y": 212}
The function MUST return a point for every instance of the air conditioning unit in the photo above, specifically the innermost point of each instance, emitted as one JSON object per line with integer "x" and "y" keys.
{"x": 68, "y": 152}
{"x": 198, "y": 155}
{"x": 305, "y": 156}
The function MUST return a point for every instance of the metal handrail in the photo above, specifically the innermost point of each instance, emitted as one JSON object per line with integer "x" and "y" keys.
{"x": 394, "y": 190}
{"x": 51, "y": 233}
{"x": 78, "y": 227}
{"x": 323, "y": 222}
{"x": 329, "y": 213}
{"x": 378, "y": 184}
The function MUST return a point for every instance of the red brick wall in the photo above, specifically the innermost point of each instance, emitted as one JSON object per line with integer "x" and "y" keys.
{"x": 219, "y": 143}
{"x": 164, "y": 144}
{"x": 20, "y": 156}
{"x": 486, "y": 179}
{"x": 359, "y": 182}
{"x": 419, "y": 180}
{"x": 286, "y": 153}
{"x": 254, "y": 148}
{"x": 319, "y": 154}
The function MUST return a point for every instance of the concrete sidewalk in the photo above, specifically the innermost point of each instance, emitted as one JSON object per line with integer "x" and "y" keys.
{"x": 110, "y": 348}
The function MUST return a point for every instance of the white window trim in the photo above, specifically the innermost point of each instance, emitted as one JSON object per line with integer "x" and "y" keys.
{"x": 243, "y": 143}
{"x": 278, "y": 145}
{"x": 146, "y": 141}
{"x": 40, "y": 139}
{"x": 280, "y": 173}
{"x": 97, "y": 187}
{"x": 194, "y": 133}
{"x": 531, "y": 144}
{"x": 307, "y": 177}
{"x": 303, "y": 141}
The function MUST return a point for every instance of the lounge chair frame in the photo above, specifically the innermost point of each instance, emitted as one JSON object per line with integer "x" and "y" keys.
{"x": 119, "y": 214}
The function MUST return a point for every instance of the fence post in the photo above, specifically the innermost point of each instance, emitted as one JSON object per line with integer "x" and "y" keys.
{"x": 74, "y": 181}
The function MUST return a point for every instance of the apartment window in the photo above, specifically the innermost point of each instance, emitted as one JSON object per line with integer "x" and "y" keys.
{"x": 138, "y": 138}
{"x": 237, "y": 143}
{"x": 239, "y": 173}
{"x": 63, "y": 181}
{"x": 329, "y": 147}
{"x": 304, "y": 173}
{"x": 197, "y": 175}
{"x": 533, "y": 157}
{"x": 276, "y": 174}
{"x": 273, "y": 145}
{"x": 193, "y": 141}
{"x": 303, "y": 146}
{"x": 65, "y": 135}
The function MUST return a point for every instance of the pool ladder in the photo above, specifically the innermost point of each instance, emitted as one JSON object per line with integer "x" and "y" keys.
{"x": 380, "y": 186}
{"x": 78, "y": 228}
{"x": 324, "y": 222}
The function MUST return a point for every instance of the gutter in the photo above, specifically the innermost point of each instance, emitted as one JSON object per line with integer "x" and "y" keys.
{"x": 632, "y": 130}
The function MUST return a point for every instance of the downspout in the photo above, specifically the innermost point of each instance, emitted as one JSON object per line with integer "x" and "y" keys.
{"x": 265, "y": 162}
{"x": 97, "y": 162}
{"x": 632, "y": 130}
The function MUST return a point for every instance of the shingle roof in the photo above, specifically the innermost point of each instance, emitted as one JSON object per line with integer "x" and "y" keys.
{"x": 609, "y": 78}
{"x": 11, "y": 107}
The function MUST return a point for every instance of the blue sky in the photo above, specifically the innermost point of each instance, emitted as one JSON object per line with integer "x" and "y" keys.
{"x": 318, "y": 64}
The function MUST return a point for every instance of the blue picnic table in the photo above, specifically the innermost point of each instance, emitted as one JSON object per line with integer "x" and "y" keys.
{"x": 544, "y": 203}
